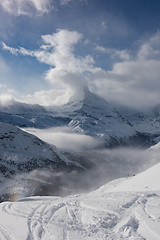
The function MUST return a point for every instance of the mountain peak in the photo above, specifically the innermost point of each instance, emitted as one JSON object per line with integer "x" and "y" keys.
{"x": 79, "y": 95}
{"x": 85, "y": 98}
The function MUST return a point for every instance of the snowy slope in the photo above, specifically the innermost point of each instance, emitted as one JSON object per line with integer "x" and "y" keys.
{"x": 92, "y": 115}
{"x": 103, "y": 214}
{"x": 147, "y": 121}
{"x": 31, "y": 167}
{"x": 97, "y": 117}
{"x": 149, "y": 180}
{"x": 28, "y": 115}
{"x": 25, "y": 162}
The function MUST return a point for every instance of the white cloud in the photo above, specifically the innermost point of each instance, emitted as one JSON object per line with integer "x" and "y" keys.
{"x": 47, "y": 97}
{"x": 121, "y": 54}
{"x": 24, "y": 7}
{"x": 150, "y": 48}
{"x": 63, "y": 137}
{"x": 133, "y": 79}
{"x": 29, "y": 7}
{"x": 6, "y": 99}
{"x": 67, "y": 72}
{"x": 6, "y": 95}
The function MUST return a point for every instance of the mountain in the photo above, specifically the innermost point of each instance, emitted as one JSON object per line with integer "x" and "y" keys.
{"x": 116, "y": 126}
{"x": 87, "y": 113}
{"x": 95, "y": 116}
{"x": 31, "y": 167}
{"x": 28, "y": 115}
{"x": 126, "y": 208}
{"x": 27, "y": 163}
{"x": 146, "y": 121}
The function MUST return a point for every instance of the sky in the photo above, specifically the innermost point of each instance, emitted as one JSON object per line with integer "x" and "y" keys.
{"x": 50, "y": 49}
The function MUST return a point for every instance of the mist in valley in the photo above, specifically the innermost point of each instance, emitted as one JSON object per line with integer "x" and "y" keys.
{"x": 97, "y": 166}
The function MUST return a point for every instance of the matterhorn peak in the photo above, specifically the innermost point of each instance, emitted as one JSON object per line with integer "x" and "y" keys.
{"x": 79, "y": 94}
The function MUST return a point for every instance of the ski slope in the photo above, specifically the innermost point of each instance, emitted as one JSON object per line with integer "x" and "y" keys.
{"x": 117, "y": 210}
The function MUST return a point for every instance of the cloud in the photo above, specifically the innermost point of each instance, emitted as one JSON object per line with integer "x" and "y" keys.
{"x": 29, "y": 7}
{"x": 64, "y": 2}
{"x": 121, "y": 54}
{"x": 150, "y": 48}
{"x": 47, "y": 97}
{"x": 99, "y": 167}
{"x": 67, "y": 71}
{"x": 25, "y": 7}
{"x": 133, "y": 79}
{"x": 6, "y": 99}
{"x": 63, "y": 137}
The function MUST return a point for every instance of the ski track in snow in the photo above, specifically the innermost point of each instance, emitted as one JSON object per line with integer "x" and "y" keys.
{"x": 91, "y": 216}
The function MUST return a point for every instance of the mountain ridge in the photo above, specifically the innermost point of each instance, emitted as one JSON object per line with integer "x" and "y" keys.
{"x": 87, "y": 113}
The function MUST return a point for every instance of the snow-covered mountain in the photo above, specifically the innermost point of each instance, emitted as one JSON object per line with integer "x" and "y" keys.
{"x": 123, "y": 209}
{"x": 28, "y": 115}
{"x": 95, "y": 116}
{"x": 31, "y": 167}
{"x": 24, "y": 161}
{"x": 91, "y": 115}
{"x": 147, "y": 121}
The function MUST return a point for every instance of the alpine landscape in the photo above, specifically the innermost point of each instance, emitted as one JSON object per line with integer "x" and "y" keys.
{"x": 79, "y": 120}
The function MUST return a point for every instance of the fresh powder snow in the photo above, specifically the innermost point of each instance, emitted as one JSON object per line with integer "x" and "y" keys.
{"x": 125, "y": 208}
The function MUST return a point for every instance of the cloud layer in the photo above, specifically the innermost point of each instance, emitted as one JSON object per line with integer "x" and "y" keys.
{"x": 28, "y": 7}
{"x": 64, "y": 138}
{"x": 24, "y": 7}
{"x": 133, "y": 79}
{"x": 67, "y": 73}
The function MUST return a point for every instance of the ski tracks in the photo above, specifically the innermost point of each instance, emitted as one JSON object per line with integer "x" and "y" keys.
{"x": 138, "y": 221}
{"x": 5, "y": 234}
{"x": 120, "y": 216}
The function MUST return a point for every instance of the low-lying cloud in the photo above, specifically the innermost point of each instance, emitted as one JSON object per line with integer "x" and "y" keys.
{"x": 99, "y": 167}
{"x": 64, "y": 138}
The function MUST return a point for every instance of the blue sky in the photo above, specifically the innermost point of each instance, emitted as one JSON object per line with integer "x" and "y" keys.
{"x": 52, "y": 48}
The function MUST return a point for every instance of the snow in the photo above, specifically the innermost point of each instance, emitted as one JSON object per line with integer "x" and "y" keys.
{"x": 21, "y": 146}
{"x": 87, "y": 113}
{"x": 114, "y": 211}
{"x": 145, "y": 181}
{"x": 147, "y": 120}
{"x": 125, "y": 208}
{"x": 27, "y": 163}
